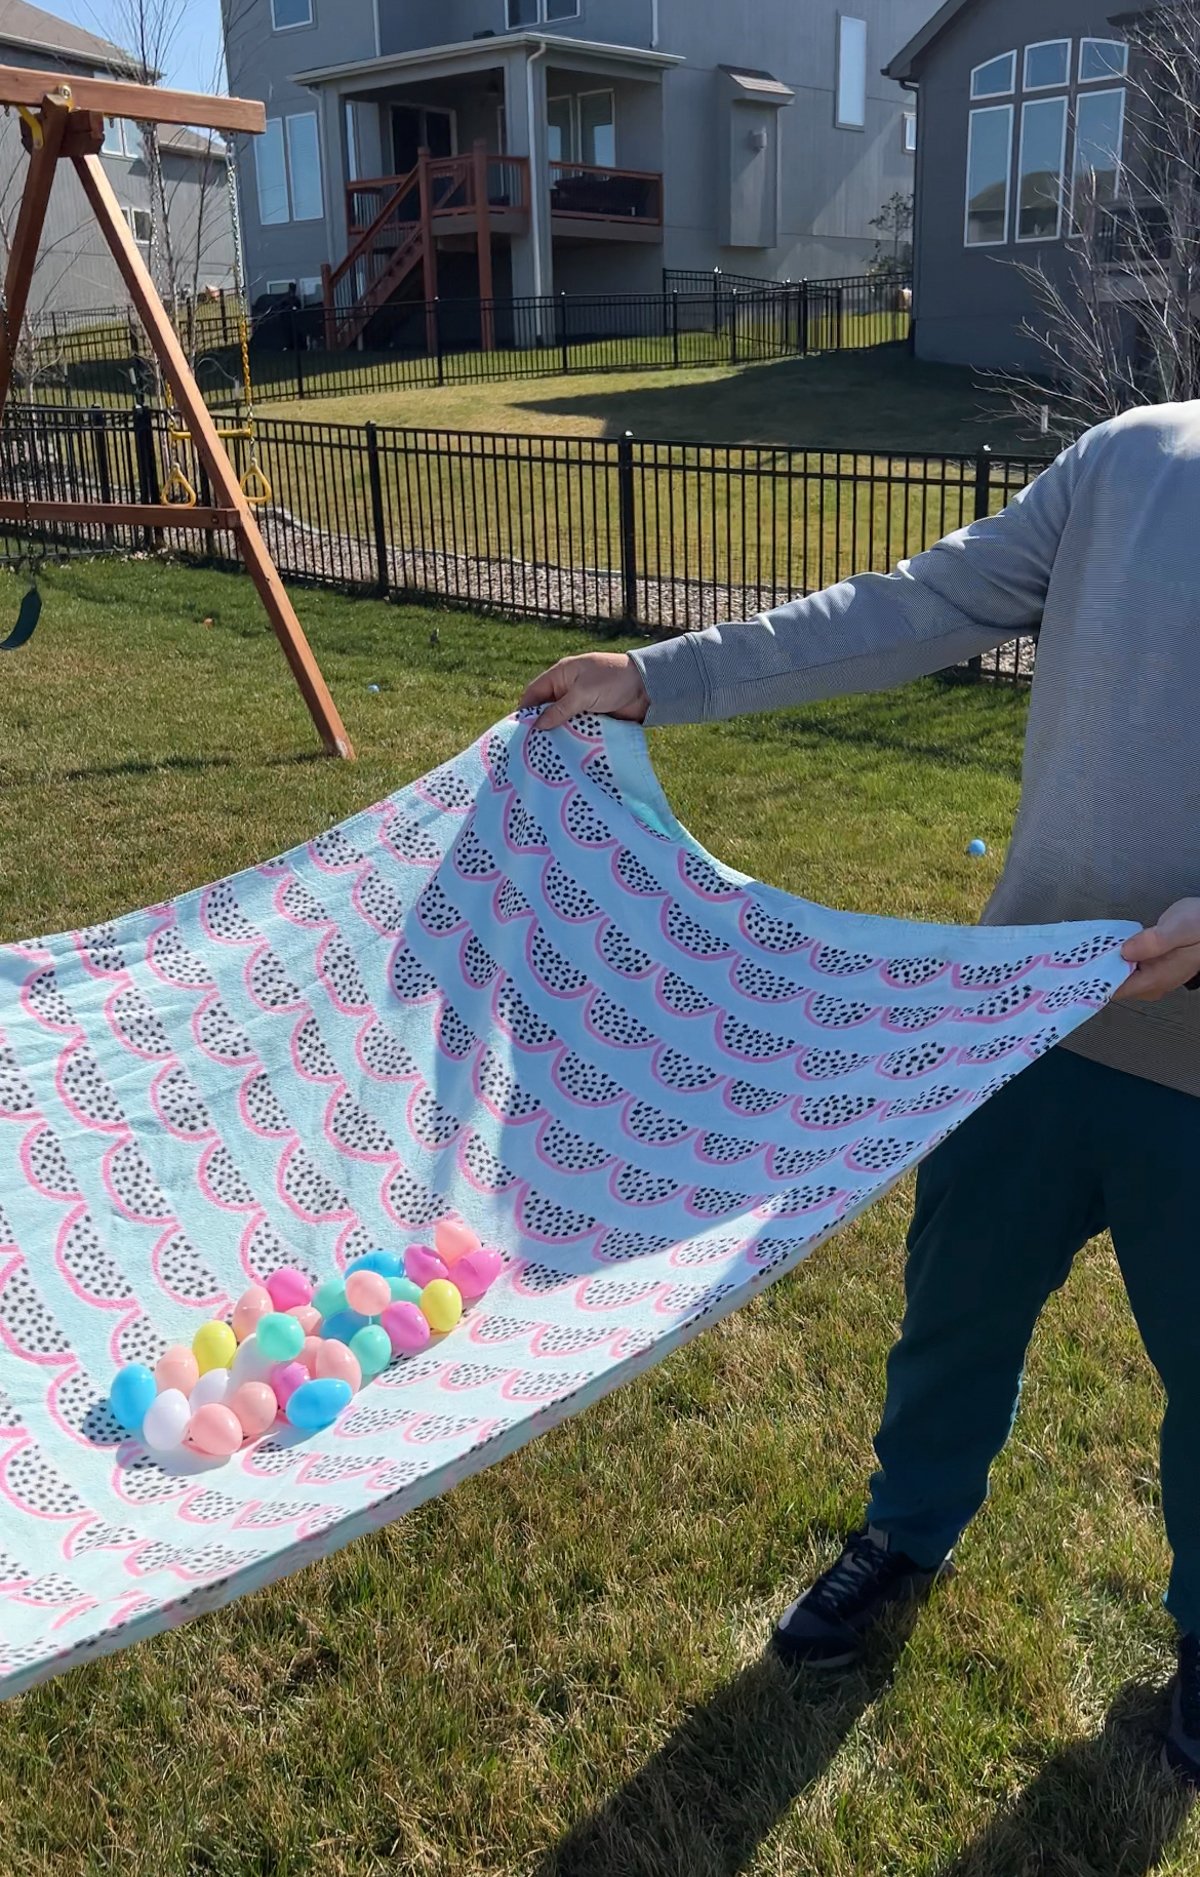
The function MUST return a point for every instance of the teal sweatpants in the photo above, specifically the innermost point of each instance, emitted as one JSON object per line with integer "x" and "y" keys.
{"x": 1066, "y": 1149}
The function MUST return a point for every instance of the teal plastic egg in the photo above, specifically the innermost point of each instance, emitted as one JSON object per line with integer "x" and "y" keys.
{"x": 279, "y": 1336}
{"x": 373, "y": 1347}
{"x": 315, "y": 1405}
{"x": 404, "y": 1290}
{"x": 329, "y": 1298}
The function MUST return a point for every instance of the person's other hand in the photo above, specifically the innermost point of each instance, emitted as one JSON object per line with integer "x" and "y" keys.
{"x": 608, "y": 683}
{"x": 1167, "y": 955}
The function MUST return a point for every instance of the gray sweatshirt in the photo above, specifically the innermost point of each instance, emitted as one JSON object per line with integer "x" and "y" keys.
{"x": 1103, "y": 551}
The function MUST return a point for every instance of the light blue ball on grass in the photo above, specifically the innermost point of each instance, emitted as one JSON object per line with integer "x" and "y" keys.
{"x": 977, "y": 849}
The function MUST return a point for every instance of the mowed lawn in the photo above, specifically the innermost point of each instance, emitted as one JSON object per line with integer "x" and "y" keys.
{"x": 557, "y": 1670}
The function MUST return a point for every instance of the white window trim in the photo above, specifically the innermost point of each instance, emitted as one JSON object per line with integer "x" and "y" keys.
{"x": 1106, "y": 78}
{"x": 131, "y": 214}
{"x": 295, "y": 117}
{"x": 981, "y": 97}
{"x": 436, "y": 110}
{"x": 1113, "y": 91}
{"x": 908, "y": 133}
{"x": 541, "y": 16}
{"x": 1003, "y": 239}
{"x": 1055, "y": 84}
{"x": 296, "y": 26}
{"x": 839, "y": 122}
{"x": 572, "y": 98}
{"x": 1030, "y": 240}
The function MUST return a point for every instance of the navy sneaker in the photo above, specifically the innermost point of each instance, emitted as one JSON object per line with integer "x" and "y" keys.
{"x": 1181, "y": 1751}
{"x": 827, "y": 1627}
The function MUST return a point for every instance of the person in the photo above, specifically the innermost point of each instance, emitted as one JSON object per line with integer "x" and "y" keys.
{"x": 1103, "y": 1131}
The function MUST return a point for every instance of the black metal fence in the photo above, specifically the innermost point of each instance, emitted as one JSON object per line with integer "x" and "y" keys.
{"x": 661, "y": 536}
{"x": 412, "y": 344}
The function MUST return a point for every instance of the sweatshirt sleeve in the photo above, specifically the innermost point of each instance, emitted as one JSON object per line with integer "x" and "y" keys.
{"x": 972, "y": 591}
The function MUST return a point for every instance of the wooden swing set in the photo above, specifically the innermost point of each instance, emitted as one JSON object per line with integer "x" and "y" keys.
{"x": 63, "y": 121}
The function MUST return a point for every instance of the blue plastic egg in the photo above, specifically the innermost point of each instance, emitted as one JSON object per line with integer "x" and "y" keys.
{"x": 133, "y": 1389}
{"x": 977, "y": 849}
{"x": 387, "y": 1263}
{"x": 344, "y": 1327}
{"x": 315, "y": 1405}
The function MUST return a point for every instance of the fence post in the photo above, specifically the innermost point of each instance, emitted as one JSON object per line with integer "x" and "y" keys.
{"x": 378, "y": 519}
{"x": 802, "y": 318}
{"x": 224, "y": 319}
{"x": 733, "y": 327}
{"x": 982, "y": 508}
{"x": 145, "y": 456}
{"x": 628, "y": 512}
{"x": 564, "y": 349}
{"x": 437, "y": 338}
{"x": 103, "y": 462}
{"x": 675, "y": 328}
{"x": 716, "y": 301}
{"x": 840, "y": 328}
{"x": 299, "y": 351}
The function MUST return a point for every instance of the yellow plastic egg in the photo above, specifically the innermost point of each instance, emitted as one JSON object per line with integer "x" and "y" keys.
{"x": 214, "y": 1346}
{"x": 441, "y": 1304}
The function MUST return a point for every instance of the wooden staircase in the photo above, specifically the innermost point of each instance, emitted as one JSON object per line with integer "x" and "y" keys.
{"x": 381, "y": 259}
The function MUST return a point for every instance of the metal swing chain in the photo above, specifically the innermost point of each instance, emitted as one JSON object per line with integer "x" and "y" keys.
{"x": 255, "y": 485}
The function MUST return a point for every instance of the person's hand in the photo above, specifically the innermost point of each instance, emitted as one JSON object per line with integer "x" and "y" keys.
{"x": 1167, "y": 955}
{"x": 608, "y": 683}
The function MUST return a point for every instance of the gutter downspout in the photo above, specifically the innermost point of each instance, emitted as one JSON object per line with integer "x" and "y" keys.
{"x": 535, "y": 192}
{"x": 654, "y": 25}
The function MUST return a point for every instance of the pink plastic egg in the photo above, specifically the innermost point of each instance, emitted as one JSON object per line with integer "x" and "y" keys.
{"x": 308, "y": 1355}
{"x": 308, "y": 1318}
{"x": 289, "y": 1287}
{"x": 368, "y": 1293}
{"x": 286, "y": 1379}
{"x": 407, "y": 1328}
{"x": 422, "y": 1265}
{"x": 250, "y": 1306}
{"x": 477, "y": 1272}
{"x": 336, "y": 1363}
{"x": 177, "y": 1368}
{"x": 215, "y": 1430}
{"x": 453, "y": 1240}
{"x": 255, "y": 1408}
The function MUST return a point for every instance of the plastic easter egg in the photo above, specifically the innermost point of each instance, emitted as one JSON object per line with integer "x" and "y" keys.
{"x": 318, "y": 1404}
{"x": 441, "y": 1305}
{"x": 131, "y": 1395}
{"x": 977, "y": 849}
{"x": 280, "y": 1336}
{"x": 407, "y": 1328}
{"x": 308, "y": 1318}
{"x": 344, "y": 1327}
{"x": 256, "y": 1405}
{"x": 477, "y": 1272}
{"x": 214, "y": 1346}
{"x": 289, "y": 1287}
{"x": 330, "y": 1297}
{"x": 286, "y": 1379}
{"x": 453, "y": 1239}
{"x": 313, "y": 1346}
{"x": 214, "y": 1386}
{"x": 339, "y": 1364}
{"x": 166, "y": 1422}
{"x": 404, "y": 1290}
{"x": 250, "y": 1364}
{"x": 215, "y": 1430}
{"x": 368, "y": 1292}
{"x": 250, "y": 1308}
{"x": 373, "y": 1348}
{"x": 387, "y": 1263}
{"x": 177, "y": 1368}
{"x": 423, "y": 1265}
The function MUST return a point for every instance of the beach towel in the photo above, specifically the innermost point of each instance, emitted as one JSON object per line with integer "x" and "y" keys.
{"x": 517, "y": 992}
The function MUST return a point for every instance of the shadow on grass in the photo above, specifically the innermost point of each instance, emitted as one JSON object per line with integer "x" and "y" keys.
{"x": 705, "y": 1802}
{"x": 711, "y": 1796}
{"x": 163, "y": 765}
{"x": 1101, "y": 1806}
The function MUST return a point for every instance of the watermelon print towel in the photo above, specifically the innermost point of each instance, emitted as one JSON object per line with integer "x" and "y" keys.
{"x": 517, "y": 990}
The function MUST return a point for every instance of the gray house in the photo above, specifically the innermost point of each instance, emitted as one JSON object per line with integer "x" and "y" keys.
{"x": 1021, "y": 110}
{"x": 75, "y": 272}
{"x": 574, "y": 145}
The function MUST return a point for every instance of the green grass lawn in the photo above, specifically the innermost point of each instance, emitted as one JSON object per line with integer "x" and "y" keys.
{"x": 556, "y": 1670}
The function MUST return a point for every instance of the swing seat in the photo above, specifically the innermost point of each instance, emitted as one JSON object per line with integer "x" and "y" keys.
{"x": 26, "y": 626}
{"x": 255, "y": 486}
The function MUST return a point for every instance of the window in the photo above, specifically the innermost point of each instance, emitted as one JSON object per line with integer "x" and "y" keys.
{"x": 1101, "y": 59}
{"x": 141, "y": 225}
{"x": 1048, "y": 64}
{"x": 989, "y": 159}
{"x": 1043, "y": 154}
{"x": 288, "y": 166}
{"x": 851, "y": 73}
{"x": 597, "y": 129}
{"x": 560, "y": 130}
{"x": 352, "y": 170}
{"x": 121, "y": 138}
{"x": 995, "y": 79}
{"x": 288, "y": 13}
{"x": 304, "y": 167}
{"x": 540, "y": 12}
{"x": 908, "y": 132}
{"x": 1099, "y": 136}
